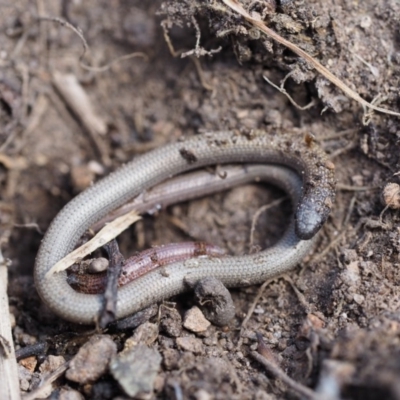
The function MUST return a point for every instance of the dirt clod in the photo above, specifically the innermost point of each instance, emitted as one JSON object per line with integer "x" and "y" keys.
{"x": 191, "y": 344}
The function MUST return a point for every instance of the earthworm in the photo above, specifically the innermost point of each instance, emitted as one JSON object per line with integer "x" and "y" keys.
{"x": 311, "y": 211}
{"x": 144, "y": 262}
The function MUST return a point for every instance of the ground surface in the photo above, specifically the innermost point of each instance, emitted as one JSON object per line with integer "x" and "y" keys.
{"x": 337, "y": 317}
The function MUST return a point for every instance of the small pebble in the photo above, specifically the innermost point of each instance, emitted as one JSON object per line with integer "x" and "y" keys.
{"x": 136, "y": 369}
{"x": 146, "y": 333}
{"x": 358, "y": 298}
{"x": 96, "y": 167}
{"x": 51, "y": 363}
{"x": 391, "y": 195}
{"x": 25, "y": 377}
{"x": 29, "y": 363}
{"x": 98, "y": 265}
{"x": 195, "y": 321}
{"x": 92, "y": 359}
{"x": 351, "y": 274}
{"x": 69, "y": 394}
{"x": 202, "y": 395}
{"x": 316, "y": 322}
{"x": 365, "y": 22}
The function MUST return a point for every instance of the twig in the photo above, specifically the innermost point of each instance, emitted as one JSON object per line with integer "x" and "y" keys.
{"x": 37, "y": 349}
{"x": 109, "y": 310}
{"x": 285, "y": 93}
{"x": 9, "y": 383}
{"x": 31, "y": 225}
{"x": 378, "y": 99}
{"x": 106, "y": 67}
{"x": 300, "y": 296}
{"x": 255, "y": 302}
{"x": 343, "y": 150}
{"x": 174, "y": 53}
{"x": 78, "y": 101}
{"x": 350, "y": 188}
{"x": 259, "y": 212}
{"x": 197, "y": 51}
{"x": 65, "y": 23}
{"x": 381, "y": 215}
{"x": 251, "y": 310}
{"x": 337, "y": 135}
{"x": 278, "y": 373}
{"x": 236, "y": 6}
{"x": 43, "y": 33}
{"x": 200, "y": 73}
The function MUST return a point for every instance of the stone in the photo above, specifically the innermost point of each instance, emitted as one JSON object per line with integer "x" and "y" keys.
{"x": 195, "y": 321}
{"x": 135, "y": 369}
{"x": 92, "y": 359}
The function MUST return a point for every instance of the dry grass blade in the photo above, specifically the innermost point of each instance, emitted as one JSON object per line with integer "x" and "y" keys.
{"x": 109, "y": 232}
{"x": 236, "y": 6}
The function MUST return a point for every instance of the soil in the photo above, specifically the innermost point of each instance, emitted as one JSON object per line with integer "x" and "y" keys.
{"x": 334, "y": 320}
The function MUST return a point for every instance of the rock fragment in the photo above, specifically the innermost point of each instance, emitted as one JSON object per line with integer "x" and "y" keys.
{"x": 171, "y": 322}
{"x": 92, "y": 359}
{"x": 51, "y": 364}
{"x": 195, "y": 321}
{"x": 136, "y": 369}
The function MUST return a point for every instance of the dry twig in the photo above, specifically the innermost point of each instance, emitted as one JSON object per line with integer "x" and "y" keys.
{"x": 259, "y": 212}
{"x": 77, "y": 100}
{"x": 278, "y": 373}
{"x": 9, "y": 383}
{"x": 251, "y": 310}
{"x": 282, "y": 89}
